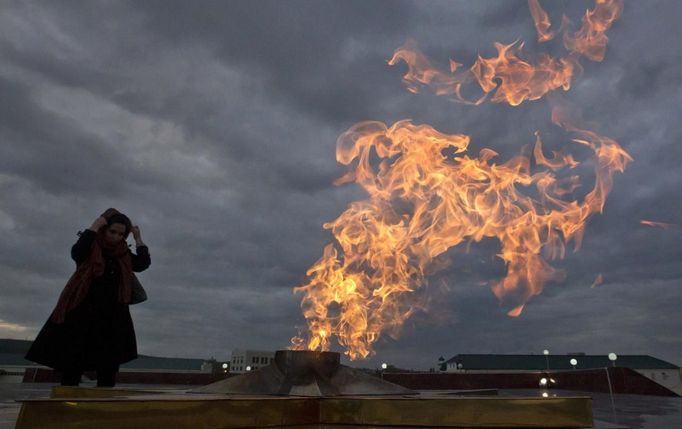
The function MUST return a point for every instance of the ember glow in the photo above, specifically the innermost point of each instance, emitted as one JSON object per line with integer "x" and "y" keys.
{"x": 427, "y": 194}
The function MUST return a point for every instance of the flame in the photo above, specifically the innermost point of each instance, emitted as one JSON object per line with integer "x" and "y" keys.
{"x": 655, "y": 224}
{"x": 427, "y": 194}
{"x": 541, "y": 21}
{"x": 422, "y": 203}
{"x": 513, "y": 78}
{"x": 590, "y": 41}
{"x": 597, "y": 281}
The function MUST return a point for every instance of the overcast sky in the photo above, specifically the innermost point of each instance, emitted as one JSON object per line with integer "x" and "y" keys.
{"x": 213, "y": 126}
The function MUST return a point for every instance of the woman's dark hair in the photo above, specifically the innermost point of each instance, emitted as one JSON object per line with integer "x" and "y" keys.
{"x": 122, "y": 219}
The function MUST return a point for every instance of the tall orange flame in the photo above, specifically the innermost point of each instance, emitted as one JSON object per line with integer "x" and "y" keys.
{"x": 426, "y": 194}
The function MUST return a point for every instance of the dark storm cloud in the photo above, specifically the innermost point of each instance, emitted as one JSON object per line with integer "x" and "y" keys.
{"x": 214, "y": 125}
{"x": 299, "y": 47}
{"x": 50, "y": 152}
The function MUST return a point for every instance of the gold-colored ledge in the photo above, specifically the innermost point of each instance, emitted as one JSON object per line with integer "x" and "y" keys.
{"x": 72, "y": 408}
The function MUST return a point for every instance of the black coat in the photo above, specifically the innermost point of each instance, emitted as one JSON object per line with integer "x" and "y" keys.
{"x": 99, "y": 332}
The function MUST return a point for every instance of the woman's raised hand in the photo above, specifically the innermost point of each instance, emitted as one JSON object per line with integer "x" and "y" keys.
{"x": 136, "y": 235}
{"x": 109, "y": 213}
{"x": 98, "y": 223}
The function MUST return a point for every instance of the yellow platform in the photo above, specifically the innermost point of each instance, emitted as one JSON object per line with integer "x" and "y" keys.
{"x": 72, "y": 408}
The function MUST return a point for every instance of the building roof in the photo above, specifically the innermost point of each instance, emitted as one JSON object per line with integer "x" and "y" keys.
{"x": 250, "y": 351}
{"x": 14, "y": 359}
{"x": 161, "y": 363}
{"x": 542, "y": 362}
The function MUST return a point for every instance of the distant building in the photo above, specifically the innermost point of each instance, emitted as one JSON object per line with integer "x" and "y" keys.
{"x": 660, "y": 371}
{"x": 249, "y": 360}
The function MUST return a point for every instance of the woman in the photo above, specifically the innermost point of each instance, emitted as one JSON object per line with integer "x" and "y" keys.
{"x": 91, "y": 328}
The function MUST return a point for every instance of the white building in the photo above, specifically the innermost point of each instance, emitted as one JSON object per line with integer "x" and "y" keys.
{"x": 249, "y": 360}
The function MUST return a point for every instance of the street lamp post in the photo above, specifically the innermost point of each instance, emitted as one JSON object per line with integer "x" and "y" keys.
{"x": 612, "y": 358}
{"x": 546, "y": 353}
{"x": 383, "y": 368}
{"x": 574, "y": 362}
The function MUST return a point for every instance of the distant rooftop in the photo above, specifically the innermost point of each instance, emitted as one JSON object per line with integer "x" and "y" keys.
{"x": 164, "y": 363}
{"x": 541, "y": 362}
{"x": 12, "y": 354}
{"x": 14, "y": 359}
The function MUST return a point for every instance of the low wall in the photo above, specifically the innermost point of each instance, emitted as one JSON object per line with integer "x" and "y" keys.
{"x": 44, "y": 375}
{"x": 623, "y": 380}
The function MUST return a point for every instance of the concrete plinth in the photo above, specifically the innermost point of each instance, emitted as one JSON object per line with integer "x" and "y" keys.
{"x": 131, "y": 409}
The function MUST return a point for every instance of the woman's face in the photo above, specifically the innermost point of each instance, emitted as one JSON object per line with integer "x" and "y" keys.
{"x": 114, "y": 233}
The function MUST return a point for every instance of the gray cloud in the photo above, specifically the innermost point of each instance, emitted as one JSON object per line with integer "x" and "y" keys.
{"x": 214, "y": 127}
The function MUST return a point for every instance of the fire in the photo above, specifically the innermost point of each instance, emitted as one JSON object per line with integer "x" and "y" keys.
{"x": 655, "y": 224}
{"x": 427, "y": 194}
{"x": 590, "y": 41}
{"x": 597, "y": 281}
{"x": 513, "y": 78}
{"x": 541, "y": 21}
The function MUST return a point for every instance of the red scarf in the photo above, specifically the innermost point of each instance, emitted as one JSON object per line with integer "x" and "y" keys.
{"x": 77, "y": 287}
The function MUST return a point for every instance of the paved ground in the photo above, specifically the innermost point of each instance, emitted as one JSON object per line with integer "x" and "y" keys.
{"x": 632, "y": 411}
{"x": 10, "y": 392}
